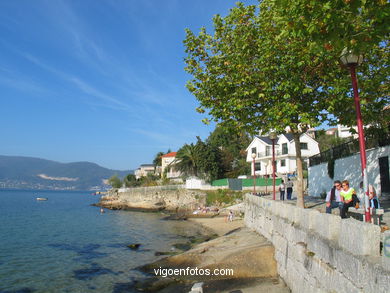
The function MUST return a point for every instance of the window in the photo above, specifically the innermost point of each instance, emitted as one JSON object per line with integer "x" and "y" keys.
{"x": 284, "y": 149}
{"x": 267, "y": 151}
{"x": 253, "y": 150}
{"x": 257, "y": 166}
{"x": 304, "y": 146}
{"x": 282, "y": 163}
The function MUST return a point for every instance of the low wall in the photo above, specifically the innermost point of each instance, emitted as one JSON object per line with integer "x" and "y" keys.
{"x": 171, "y": 198}
{"x": 318, "y": 252}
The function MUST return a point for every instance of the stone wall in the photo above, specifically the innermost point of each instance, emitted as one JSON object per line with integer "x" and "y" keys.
{"x": 318, "y": 252}
{"x": 154, "y": 199}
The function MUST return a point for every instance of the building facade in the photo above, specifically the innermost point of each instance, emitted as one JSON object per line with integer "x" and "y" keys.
{"x": 285, "y": 153}
{"x": 144, "y": 170}
{"x": 168, "y": 166}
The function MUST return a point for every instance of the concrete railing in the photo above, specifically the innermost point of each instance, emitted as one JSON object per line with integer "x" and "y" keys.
{"x": 318, "y": 252}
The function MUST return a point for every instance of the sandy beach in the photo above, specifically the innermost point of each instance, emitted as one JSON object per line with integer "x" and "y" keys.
{"x": 219, "y": 225}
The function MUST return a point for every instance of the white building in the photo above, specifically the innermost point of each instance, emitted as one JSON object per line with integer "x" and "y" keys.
{"x": 168, "y": 161}
{"x": 144, "y": 170}
{"x": 285, "y": 154}
{"x": 344, "y": 131}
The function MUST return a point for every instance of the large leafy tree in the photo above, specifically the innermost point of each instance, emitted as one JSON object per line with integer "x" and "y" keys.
{"x": 231, "y": 145}
{"x": 251, "y": 74}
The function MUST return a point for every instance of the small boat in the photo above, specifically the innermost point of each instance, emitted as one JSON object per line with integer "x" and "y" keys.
{"x": 41, "y": 198}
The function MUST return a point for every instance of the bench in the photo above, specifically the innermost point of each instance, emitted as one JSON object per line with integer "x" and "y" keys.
{"x": 376, "y": 214}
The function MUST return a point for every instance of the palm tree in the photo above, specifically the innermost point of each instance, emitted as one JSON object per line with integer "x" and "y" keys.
{"x": 186, "y": 160}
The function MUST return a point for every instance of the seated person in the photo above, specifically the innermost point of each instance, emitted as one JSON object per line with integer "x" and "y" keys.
{"x": 333, "y": 199}
{"x": 373, "y": 199}
{"x": 348, "y": 197}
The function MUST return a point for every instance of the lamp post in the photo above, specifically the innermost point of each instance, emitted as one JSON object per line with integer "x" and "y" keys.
{"x": 352, "y": 61}
{"x": 266, "y": 178}
{"x": 254, "y": 173}
{"x": 273, "y": 136}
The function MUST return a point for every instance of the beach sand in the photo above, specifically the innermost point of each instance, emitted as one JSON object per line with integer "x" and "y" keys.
{"x": 219, "y": 225}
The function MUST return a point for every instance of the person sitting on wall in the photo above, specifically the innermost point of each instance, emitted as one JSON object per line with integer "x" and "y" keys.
{"x": 374, "y": 202}
{"x": 348, "y": 197}
{"x": 333, "y": 199}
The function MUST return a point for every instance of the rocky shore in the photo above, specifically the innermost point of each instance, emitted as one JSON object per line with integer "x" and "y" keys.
{"x": 153, "y": 199}
{"x": 247, "y": 255}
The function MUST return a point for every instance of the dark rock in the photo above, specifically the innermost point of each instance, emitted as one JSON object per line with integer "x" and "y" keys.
{"x": 159, "y": 253}
{"x": 183, "y": 246}
{"x": 134, "y": 246}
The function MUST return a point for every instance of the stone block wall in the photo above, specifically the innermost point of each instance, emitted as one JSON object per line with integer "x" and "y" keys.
{"x": 319, "y": 252}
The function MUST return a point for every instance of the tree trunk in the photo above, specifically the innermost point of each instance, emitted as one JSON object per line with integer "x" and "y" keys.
{"x": 299, "y": 183}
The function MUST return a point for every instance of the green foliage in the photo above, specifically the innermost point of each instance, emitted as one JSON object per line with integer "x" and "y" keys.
{"x": 115, "y": 181}
{"x": 231, "y": 145}
{"x": 223, "y": 196}
{"x": 326, "y": 142}
{"x": 130, "y": 181}
{"x": 273, "y": 66}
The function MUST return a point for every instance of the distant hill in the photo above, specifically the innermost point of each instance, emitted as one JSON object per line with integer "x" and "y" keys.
{"x": 35, "y": 173}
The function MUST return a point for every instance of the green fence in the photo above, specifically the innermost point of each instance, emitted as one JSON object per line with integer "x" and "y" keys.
{"x": 247, "y": 182}
{"x": 220, "y": 182}
{"x": 260, "y": 182}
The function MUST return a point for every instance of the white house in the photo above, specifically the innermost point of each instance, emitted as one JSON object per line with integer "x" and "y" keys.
{"x": 168, "y": 160}
{"x": 144, "y": 170}
{"x": 285, "y": 154}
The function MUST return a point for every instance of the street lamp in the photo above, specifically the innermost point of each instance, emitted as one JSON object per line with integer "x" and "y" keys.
{"x": 254, "y": 173}
{"x": 266, "y": 178}
{"x": 349, "y": 59}
{"x": 273, "y": 137}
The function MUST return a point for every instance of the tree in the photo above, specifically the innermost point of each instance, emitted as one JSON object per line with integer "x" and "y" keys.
{"x": 231, "y": 145}
{"x": 208, "y": 161}
{"x": 115, "y": 181}
{"x": 130, "y": 181}
{"x": 186, "y": 160}
{"x": 250, "y": 74}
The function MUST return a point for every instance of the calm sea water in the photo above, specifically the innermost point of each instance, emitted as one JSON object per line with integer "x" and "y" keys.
{"x": 66, "y": 245}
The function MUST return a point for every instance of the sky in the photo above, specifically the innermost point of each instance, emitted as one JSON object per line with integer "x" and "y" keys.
{"x": 99, "y": 81}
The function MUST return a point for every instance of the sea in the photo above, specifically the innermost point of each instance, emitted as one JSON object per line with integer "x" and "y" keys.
{"x": 66, "y": 245}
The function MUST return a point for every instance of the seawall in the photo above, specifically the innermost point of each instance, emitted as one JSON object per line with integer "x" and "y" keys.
{"x": 318, "y": 252}
{"x": 170, "y": 198}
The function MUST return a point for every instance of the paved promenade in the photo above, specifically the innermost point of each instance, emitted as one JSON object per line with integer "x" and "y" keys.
{"x": 319, "y": 204}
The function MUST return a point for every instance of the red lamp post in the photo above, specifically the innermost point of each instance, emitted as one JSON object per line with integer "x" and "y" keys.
{"x": 273, "y": 137}
{"x": 352, "y": 61}
{"x": 254, "y": 173}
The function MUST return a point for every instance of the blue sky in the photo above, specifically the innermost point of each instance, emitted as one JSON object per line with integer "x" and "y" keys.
{"x": 100, "y": 81}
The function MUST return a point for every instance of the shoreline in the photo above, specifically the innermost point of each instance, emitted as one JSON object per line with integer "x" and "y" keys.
{"x": 249, "y": 255}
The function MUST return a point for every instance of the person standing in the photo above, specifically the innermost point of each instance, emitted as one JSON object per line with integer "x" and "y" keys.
{"x": 348, "y": 197}
{"x": 333, "y": 199}
{"x": 289, "y": 186}
{"x": 282, "y": 189}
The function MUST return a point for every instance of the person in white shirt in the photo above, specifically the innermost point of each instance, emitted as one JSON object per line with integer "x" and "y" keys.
{"x": 333, "y": 199}
{"x": 289, "y": 186}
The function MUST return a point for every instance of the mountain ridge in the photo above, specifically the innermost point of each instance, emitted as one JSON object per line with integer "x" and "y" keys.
{"x": 37, "y": 173}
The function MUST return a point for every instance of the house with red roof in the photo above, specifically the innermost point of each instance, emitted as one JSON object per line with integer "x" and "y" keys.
{"x": 168, "y": 165}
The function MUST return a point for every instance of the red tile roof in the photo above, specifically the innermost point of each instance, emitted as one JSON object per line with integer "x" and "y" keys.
{"x": 171, "y": 154}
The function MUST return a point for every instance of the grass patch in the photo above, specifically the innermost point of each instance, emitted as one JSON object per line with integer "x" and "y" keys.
{"x": 223, "y": 197}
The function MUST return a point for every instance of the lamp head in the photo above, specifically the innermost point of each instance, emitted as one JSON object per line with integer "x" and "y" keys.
{"x": 348, "y": 58}
{"x": 272, "y": 135}
{"x": 253, "y": 155}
